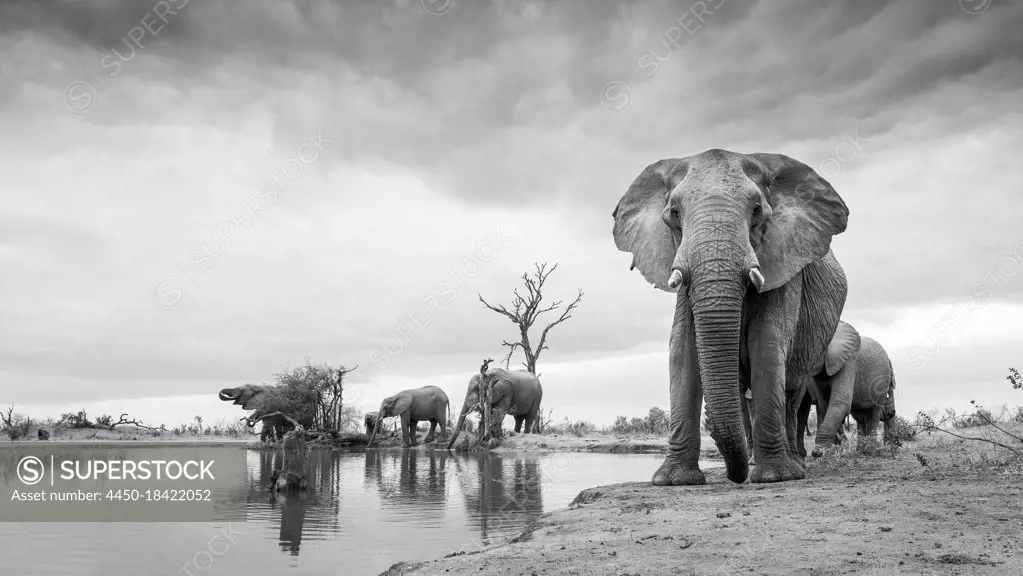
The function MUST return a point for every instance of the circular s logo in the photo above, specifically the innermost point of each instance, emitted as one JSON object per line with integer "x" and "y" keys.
{"x": 30, "y": 470}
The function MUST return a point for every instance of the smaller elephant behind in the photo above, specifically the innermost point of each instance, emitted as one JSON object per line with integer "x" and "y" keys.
{"x": 858, "y": 380}
{"x": 370, "y": 420}
{"x": 413, "y": 406}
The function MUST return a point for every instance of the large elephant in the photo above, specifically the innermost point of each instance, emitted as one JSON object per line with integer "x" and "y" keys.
{"x": 745, "y": 241}
{"x": 515, "y": 392}
{"x": 413, "y": 406}
{"x": 858, "y": 380}
{"x": 264, "y": 400}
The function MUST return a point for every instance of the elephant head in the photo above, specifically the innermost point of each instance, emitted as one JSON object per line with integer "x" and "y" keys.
{"x": 712, "y": 226}
{"x": 299, "y": 402}
{"x": 391, "y": 406}
{"x": 259, "y": 399}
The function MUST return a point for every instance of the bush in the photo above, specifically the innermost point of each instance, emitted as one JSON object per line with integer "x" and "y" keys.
{"x": 577, "y": 428}
{"x": 900, "y": 430}
{"x": 656, "y": 422}
{"x": 75, "y": 420}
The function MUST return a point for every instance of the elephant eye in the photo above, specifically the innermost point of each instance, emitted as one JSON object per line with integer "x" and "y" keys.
{"x": 757, "y": 209}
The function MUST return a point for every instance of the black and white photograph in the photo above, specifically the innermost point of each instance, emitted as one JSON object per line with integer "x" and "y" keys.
{"x": 511, "y": 287}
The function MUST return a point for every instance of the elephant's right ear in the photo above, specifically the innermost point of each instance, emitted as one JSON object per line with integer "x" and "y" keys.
{"x": 844, "y": 344}
{"x": 638, "y": 226}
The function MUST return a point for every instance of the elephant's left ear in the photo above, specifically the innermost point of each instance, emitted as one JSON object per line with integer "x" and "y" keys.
{"x": 401, "y": 405}
{"x": 805, "y": 213}
{"x": 843, "y": 345}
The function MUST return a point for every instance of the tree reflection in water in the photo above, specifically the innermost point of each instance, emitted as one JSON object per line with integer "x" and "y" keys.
{"x": 323, "y": 496}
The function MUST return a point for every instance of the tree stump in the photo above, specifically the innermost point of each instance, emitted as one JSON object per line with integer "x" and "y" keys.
{"x": 292, "y": 475}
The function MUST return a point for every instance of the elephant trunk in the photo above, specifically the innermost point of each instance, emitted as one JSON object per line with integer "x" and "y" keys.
{"x": 458, "y": 428}
{"x": 376, "y": 427}
{"x": 716, "y": 266}
{"x": 717, "y": 322}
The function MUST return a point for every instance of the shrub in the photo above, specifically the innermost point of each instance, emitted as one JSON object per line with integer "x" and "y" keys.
{"x": 75, "y": 420}
{"x": 900, "y": 430}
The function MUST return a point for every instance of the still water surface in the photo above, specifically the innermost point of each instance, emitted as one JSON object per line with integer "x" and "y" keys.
{"x": 362, "y": 513}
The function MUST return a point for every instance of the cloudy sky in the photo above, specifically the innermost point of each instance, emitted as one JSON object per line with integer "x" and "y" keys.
{"x": 201, "y": 194}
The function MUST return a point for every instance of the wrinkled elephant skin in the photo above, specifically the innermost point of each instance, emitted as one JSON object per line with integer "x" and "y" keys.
{"x": 744, "y": 240}
{"x": 414, "y": 406}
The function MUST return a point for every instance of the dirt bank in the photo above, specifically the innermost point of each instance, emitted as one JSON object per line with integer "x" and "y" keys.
{"x": 607, "y": 443}
{"x": 937, "y": 507}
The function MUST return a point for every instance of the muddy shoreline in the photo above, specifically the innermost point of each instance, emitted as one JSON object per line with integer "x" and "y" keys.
{"x": 935, "y": 507}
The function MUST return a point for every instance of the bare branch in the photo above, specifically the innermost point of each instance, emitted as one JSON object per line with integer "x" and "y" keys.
{"x": 500, "y": 310}
{"x": 564, "y": 316}
{"x": 526, "y": 308}
{"x": 123, "y": 420}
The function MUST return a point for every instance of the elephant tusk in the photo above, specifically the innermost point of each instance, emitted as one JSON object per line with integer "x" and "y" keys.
{"x": 675, "y": 280}
{"x": 756, "y": 278}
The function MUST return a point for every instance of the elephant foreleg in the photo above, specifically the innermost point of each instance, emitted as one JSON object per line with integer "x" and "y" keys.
{"x": 802, "y": 422}
{"x": 518, "y": 424}
{"x": 746, "y": 404}
{"x": 681, "y": 465}
{"x": 413, "y": 430}
{"x": 838, "y": 407}
{"x": 406, "y": 424}
{"x": 775, "y": 395}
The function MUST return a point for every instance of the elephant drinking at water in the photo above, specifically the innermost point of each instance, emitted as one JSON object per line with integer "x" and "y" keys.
{"x": 515, "y": 392}
{"x": 745, "y": 241}
{"x": 426, "y": 403}
{"x": 264, "y": 400}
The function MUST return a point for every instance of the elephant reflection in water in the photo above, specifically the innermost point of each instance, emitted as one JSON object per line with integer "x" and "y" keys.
{"x": 414, "y": 479}
{"x": 503, "y": 494}
{"x": 322, "y": 470}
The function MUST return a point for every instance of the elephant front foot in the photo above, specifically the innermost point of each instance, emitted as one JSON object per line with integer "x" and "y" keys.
{"x": 779, "y": 471}
{"x": 672, "y": 473}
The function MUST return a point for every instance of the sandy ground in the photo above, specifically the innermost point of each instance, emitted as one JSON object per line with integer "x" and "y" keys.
{"x": 938, "y": 506}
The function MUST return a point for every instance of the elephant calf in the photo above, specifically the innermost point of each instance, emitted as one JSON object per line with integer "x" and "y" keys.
{"x": 859, "y": 379}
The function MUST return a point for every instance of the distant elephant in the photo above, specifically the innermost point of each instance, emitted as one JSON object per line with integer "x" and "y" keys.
{"x": 515, "y": 392}
{"x": 43, "y": 434}
{"x": 859, "y": 379}
{"x": 413, "y": 406}
{"x": 745, "y": 241}
{"x": 370, "y": 421}
{"x": 263, "y": 400}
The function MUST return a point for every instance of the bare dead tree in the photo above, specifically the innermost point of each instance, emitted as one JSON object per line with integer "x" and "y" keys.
{"x": 524, "y": 312}
{"x": 123, "y": 420}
